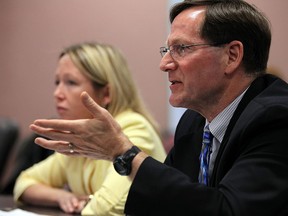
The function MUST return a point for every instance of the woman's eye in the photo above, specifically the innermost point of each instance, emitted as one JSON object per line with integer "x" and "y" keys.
{"x": 57, "y": 82}
{"x": 71, "y": 82}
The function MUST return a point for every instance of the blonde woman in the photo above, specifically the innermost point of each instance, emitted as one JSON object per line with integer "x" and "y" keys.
{"x": 79, "y": 184}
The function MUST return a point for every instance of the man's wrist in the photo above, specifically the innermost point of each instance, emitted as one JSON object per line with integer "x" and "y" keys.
{"x": 136, "y": 163}
{"x": 123, "y": 163}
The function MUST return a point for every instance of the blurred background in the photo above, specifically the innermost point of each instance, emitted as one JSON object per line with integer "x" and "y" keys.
{"x": 33, "y": 32}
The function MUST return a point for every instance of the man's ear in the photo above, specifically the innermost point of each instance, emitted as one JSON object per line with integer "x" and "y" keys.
{"x": 235, "y": 52}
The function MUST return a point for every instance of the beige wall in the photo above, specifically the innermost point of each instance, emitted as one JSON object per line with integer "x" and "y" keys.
{"x": 276, "y": 11}
{"x": 33, "y": 32}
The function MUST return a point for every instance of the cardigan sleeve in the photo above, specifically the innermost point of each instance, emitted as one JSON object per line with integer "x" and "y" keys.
{"x": 50, "y": 171}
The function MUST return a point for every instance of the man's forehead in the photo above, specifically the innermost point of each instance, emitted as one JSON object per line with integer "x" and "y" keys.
{"x": 186, "y": 25}
{"x": 191, "y": 13}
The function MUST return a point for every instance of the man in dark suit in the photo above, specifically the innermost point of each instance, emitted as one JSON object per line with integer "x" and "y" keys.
{"x": 216, "y": 60}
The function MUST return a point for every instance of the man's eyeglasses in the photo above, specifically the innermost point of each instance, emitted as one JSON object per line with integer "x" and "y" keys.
{"x": 179, "y": 50}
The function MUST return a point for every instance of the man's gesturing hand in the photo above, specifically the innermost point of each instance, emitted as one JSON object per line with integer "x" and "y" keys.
{"x": 99, "y": 138}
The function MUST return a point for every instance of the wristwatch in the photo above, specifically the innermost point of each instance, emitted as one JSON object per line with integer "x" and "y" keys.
{"x": 123, "y": 163}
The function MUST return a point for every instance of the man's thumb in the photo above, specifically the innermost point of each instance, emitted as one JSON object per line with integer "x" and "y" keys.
{"x": 89, "y": 103}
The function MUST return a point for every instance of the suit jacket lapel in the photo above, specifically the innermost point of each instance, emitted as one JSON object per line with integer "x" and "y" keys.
{"x": 256, "y": 87}
{"x": 184, "y": 155}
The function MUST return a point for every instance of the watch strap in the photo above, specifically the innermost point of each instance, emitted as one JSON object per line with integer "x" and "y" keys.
{"x": 123, "y": 163}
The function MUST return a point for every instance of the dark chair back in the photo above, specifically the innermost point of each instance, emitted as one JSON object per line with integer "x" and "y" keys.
{"x": 25, "y": 154}
{"x": 9, "y": 132}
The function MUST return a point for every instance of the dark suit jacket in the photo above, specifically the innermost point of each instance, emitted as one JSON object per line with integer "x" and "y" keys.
{"x": 250, "y": 176}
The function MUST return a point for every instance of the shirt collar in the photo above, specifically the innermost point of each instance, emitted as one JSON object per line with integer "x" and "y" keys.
{"x": 220, "y": 123}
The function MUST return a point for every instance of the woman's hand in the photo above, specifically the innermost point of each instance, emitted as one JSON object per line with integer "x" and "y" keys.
{"x": 70, "y": 203}
{"x": 43, "y": 195}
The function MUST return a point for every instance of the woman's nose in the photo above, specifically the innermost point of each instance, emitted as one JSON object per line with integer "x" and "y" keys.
{"x": 58, "y": 93}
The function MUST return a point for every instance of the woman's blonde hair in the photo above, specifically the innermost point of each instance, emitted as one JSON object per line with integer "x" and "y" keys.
{"x": 105, "y": 65}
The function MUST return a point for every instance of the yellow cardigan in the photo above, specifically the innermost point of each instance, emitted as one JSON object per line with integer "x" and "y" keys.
{"x": 85, "y": 176}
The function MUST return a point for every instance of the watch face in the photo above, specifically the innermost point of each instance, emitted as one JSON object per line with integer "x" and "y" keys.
{"x": 120, "y": 167}
{"x": 122, "y": 164}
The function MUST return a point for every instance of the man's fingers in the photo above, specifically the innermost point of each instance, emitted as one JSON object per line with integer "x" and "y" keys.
{"x": 56, "y": 124}
{"x": 52, "y": 145}
{"x": 46, "y": 131}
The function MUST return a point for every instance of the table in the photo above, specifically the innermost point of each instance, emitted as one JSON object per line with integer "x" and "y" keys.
{"x": 7, "y": 203}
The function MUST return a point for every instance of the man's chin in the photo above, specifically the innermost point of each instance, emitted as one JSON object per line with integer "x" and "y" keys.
{"x": 173, "y": 102}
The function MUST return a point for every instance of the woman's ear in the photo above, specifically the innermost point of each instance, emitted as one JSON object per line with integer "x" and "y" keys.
{"x": 235, "y": 52}
{"x": 106, "y": 97}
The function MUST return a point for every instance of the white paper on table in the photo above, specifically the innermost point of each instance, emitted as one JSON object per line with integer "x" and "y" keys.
{"x": 18, "y": 212}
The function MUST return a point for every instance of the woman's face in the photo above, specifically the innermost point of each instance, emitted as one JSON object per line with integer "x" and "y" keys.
{"x": 70, "y": 83}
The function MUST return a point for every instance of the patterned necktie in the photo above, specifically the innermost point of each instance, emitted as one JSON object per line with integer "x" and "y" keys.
{"x": 205, "y": 156}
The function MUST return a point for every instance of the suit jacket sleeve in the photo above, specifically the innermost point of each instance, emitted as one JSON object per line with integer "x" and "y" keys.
{"x": 166, "y": 189}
